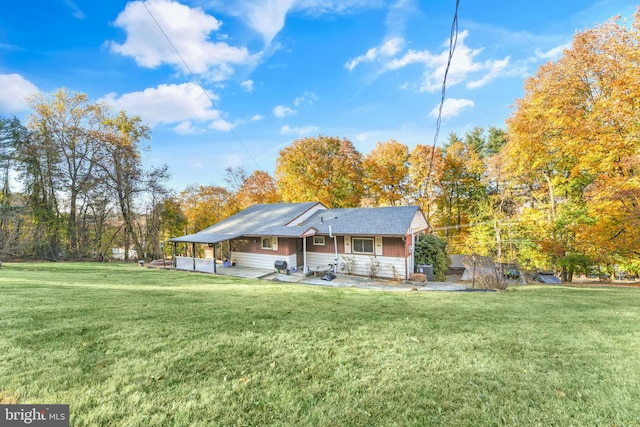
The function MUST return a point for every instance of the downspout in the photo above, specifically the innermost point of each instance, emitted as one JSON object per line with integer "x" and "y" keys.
{"x": 305, "y": 269}
{"x": 412, "y": 251}
{"x": 335, "y": 246}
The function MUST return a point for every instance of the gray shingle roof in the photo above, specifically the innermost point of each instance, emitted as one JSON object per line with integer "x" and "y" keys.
{"x": 257, "y": 220}
{"x": 386, "y": 221}
{"x": 270, "y": 220}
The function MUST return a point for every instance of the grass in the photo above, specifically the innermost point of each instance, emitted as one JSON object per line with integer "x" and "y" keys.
{"x": 124, "y": 345}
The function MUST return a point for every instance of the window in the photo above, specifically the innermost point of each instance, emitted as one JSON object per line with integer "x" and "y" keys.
{"x": 362, "y": 245}
{"x": 318, "y": 240}
{"x": 266, "y": 243}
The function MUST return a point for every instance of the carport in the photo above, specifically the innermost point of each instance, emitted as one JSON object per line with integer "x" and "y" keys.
{"x": 193, "y": 263}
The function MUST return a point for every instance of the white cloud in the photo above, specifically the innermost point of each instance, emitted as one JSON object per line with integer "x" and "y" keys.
{"x": 267, "y": 17}
{"x": 496, "y": 69}
{"x": 257, "y": 117}
{"x": 553, "y": 53}
{"x": 304, "y": 130}
{"x": 187, "y": 28}
{"x": 77, "y": 13}
{"x": 333, "y": 7}
{"x": 308, "y": 98}
{"x": 247, "y": 85}
{"x": 452, "y": 107}
{"x": 388, "y": 49}
{"x": 221, "y": 125}
{"x": 167, "y": 104}
{"x": 185, "y": 128}
{"x": 15, "y": 90}
{"x": 282, "y": 111}
{"x": 464, "y": 64}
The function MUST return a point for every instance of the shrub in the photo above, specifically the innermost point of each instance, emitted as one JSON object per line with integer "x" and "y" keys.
{"x": 374, "y": 267}
{"x": 348, "y": 264}
{"x": 432, "y": 250}
{"x": 418, "y": 277}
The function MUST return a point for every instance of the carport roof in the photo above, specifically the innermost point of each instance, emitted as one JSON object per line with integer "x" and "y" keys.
{"x": 203, "y": 237}
{"x": 257, "y": 220}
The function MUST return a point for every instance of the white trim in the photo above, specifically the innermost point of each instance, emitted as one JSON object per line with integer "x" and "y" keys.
{"x": 320, "y": 241}
{"x": 378, "y": 245}
{"x": 371, "y": 239}
{"x": 266, "y": 240}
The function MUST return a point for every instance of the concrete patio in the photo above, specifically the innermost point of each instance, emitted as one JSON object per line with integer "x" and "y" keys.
{"x": 341, "y": 281}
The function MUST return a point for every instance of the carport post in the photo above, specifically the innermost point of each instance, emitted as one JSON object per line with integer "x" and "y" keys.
{"x": 173, "y": 258}
{"x": 193, "y": 253}
{"x": 215, "y": 270}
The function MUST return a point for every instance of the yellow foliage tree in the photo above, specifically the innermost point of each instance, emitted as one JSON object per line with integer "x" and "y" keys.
{"x": 324, "y": 169}
{"x": 386, "y": 173}
{"x": 425, "y": 170}
{"x": 205, "y": 205}
{"x": 576, "y": 134}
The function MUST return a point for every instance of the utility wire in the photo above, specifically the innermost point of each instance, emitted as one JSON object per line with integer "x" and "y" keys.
{"x": 197, "y": 81}
{"x": 453, "y": 40}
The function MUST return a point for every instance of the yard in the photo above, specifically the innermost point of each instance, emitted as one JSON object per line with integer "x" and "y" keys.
{"x": 124, "y": 345}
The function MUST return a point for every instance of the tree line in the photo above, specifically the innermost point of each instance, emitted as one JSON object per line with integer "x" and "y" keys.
{"x": 83, "y": 187}
{"x": 558, "y": 188}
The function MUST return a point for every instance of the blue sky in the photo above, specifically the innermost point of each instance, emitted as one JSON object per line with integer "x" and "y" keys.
{"x": 251, "y": 76}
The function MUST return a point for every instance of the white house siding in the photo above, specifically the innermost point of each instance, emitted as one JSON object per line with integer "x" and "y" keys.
{"x": 419, "y": 223}
{"x": 306, "y": 215}
{"x": 320, "y": 260}
{"x": 362, "y": 264}
{"x": 264, "y": 261}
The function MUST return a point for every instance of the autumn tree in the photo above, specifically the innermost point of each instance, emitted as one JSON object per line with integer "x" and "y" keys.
{"x": 460, "y": 187}
{"x": 122, "y": 171}
{"x": 386, "y": 173}
{"x": 425, "y": 170}
{"x": 205, "y": 205}
{"x": 12, "y": 134}
{"x": 173, "y": 221}
{"x": 81, "y": 172}
{"x": 574, "y": 143}
{"x": 248, "y": 190}
{"x": 324, "y": 169}
{"x": 69, "y": 127}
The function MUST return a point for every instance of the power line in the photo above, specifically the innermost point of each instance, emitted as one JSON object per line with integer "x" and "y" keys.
{"x": 197, "y": 81}
{"x": 453, "y": 40}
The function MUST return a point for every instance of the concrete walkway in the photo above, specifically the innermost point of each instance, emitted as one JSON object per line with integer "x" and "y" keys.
{"x": 341, "y": 281}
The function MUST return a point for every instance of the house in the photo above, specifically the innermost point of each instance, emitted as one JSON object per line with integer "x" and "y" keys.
{"x": 309, "y": 237}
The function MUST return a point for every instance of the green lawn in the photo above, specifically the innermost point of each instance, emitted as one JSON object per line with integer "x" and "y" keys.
{"x": 124, "y": 345}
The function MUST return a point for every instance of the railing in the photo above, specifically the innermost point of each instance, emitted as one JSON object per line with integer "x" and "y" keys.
{"x": 194, "y": 264}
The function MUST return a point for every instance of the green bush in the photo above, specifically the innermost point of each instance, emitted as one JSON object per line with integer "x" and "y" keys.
{"x": 432, "y": 250}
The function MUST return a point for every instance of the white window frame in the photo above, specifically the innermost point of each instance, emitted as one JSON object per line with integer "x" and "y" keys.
{"x": 319, "y": 241}
{"x": 269, "y": 241}
{"x": 370, "y": 239}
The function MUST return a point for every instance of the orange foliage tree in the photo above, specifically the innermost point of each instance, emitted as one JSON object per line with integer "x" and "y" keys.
{"x": 324, "y": 169}
{"x": 386, "y": 173}
{"x": 576, "y": 136}
{"x": 248, "y": 190}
